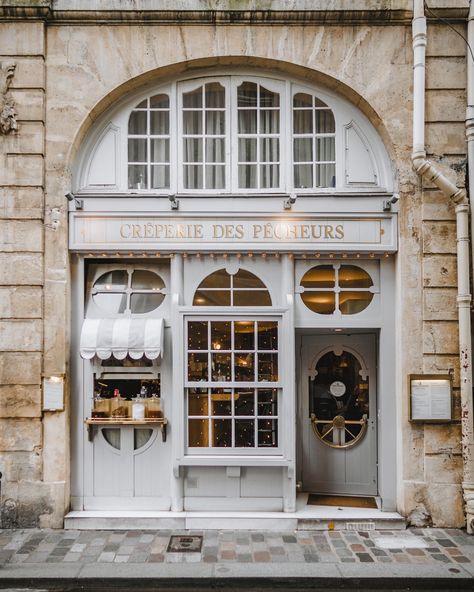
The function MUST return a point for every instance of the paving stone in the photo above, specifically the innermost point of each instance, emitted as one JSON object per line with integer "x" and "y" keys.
{"x": 257, "y": 538}
{"x": 461, "y": 559}
{"x": 444, "y": 542}
{"x": 440, "y": 557}
{"x": 310, "y": 558}
{"x": 121, "y": 558}
{"x": 244, "y": 558}
{"x": 262, "y": 556}
{"x": 156, "y": 558}
{"x": 364, "y": 557}
{"x": 106, "y": 557}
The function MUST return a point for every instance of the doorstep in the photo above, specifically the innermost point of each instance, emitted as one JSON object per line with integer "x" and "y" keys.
{"x": 306, "y": 517}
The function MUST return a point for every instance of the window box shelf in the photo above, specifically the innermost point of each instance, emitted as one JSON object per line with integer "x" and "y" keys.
{"x": 92, "y": 422}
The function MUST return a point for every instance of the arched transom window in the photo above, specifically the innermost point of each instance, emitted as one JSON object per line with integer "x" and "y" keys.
{"x": 222, "y": 288}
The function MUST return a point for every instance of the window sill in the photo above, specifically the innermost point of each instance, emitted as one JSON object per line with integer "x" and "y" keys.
{"x": 234, "y": 461}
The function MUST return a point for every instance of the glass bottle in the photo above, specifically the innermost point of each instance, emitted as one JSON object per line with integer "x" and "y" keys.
{"x": 153, "y": 409}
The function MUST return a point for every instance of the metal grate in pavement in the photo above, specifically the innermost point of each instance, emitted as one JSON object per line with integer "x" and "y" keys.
{"x": 185, "y": 544}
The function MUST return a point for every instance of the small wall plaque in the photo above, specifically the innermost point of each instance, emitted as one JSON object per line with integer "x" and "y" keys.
{"x": 53, "y": 393}
{"x": 431, "y": 398}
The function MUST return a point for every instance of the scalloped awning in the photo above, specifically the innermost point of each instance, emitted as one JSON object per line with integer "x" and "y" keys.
{"x": 121, "y": 337}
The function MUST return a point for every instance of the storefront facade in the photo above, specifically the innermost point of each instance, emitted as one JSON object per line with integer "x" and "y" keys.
{"x": 245, "y": 274}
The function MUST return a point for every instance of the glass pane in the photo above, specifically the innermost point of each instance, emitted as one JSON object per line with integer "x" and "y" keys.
{"x": 325, "y": 149}
{"x": 302, "y": 122}
{"x": 142, "y": 105}
{"x": 215, "y": 95}
{"x": 325, "y": 175}
{"x": 220, "y": 335}
{"x": 198, "y": 433}
{"x": 197, "y": 404}
{"x": 137, "y": 150}
{"x": 215, "y": 150}
{"x": 303, "y": 175}
{"x": 221, "y": 402}
{"x": 193, "y": 177}
{"x": 218, "y": 279}
{"x": 137, "y": 123}
{"x": 319, "y": 103}
{"x": 320, "y": 302}
{"x": 221, "y": 367}
{"x": 159, "y": 102}
{"x": 248, "y": 176}
{"x": 244, "y": 335}
{"x": 197, "y": 335}
{"x": 159, "y": 123}
{"x": 193, "y": 99}
{"x": 252, "y": 298}
{"x": 268, "y": 367}
{"x": 354, "y": 302}
{"x": 269, "y": 176}
{"x": 246, "y": 279}
{"x": 247, "y": 149}
{"x": 303, "y": 150}
{"x": 269, "y": 149}
{"x": 112, "y": 280}
{"x": 324, "y": 122}
{"x": 351, "y": 276}
{"x": 247, "y": 95}
{"x": 268, "y": 433}
{"x": 212, "y": 298}
{"x": 137, "y": 176}
{"x": 215, "y": 176}
{"x": 112, "y": 303}
{"x": 160, "y": 150}
{"x": 303, "y": 100}
{"x": 192, "y": 122}
{"x": 141, "y": 303}
{"x": 143, "y": 279}
{"x": 244, "y": 403}
{"x": 322, "y": 276}
{"x": 269, "y": 122}
{"x": 267, "y": 402}
{"x": 244, "y": 367}
{"x": 197, "y": 367}
{"x": 112, "y": 436}
{"x": 244, "y": 433}
{"x": 215, "y": 123}
{"x": 160, "y": 176}
{"x": 247, "y": 121}
{"x": 222, "y": 433}
{"x": 192, "y": 150}
{"x": 141, "y": 437}
{"x": 269, "y": 98}
{"x": 267, "y": 333}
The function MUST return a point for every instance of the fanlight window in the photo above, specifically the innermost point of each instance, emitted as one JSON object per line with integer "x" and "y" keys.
{"x": 331, "y": 288}
{"x": 135, "y": 291}
{"x": 224, "y": 289}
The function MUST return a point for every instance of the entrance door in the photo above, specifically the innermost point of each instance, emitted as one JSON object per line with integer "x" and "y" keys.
{"x": 338, "y": 414}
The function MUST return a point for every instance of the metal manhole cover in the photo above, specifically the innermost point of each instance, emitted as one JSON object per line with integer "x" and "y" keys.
{"x": 185, "y": 544}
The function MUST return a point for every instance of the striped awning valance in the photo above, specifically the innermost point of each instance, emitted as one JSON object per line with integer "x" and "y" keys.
{"x": 121, "y": 337}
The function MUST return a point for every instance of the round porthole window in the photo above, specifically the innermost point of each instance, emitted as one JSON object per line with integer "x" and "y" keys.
{"x": 330, "y": 288}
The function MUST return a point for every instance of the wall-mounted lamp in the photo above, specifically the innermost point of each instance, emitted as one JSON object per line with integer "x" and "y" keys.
{"x": 78, "y": 203}
{"x": 289, "y": 202}
{"x": 388, "y": 203}
{"x": 174, "y": 202}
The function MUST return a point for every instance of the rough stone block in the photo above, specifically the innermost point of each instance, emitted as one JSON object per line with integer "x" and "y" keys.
{"x": 21, "y": 302}
{"x": 30, "y": 504}
{"x": 29, "y": 73}
{"x": 446, "y": 73}
{"x": 443, "y": 41}
{"x": 21, "y": 235}
{"x": 21, "y": 202}
{"x": 29, "y": 104}
{"x": 55, "y": 343}
{"x": 26, "y": 38}
{"x": 20, "y": 434}
{"x": 28, "y": 140}
{"x": 413, "y": 452}
{"x": 439, "y": 304}
{"x": 437, "y": 206}
{"x": 55, "y": 458}
{"x": 19, "y": 466}
{"x": 445, "y": 138}
{"x": 443, "y": 439}
{"x": 436, "y": 364}
{"x": 446, "y": 505}
{"x": 21, "y": 335}
{"x": 446, "y": 105}
{"x": 440, "y": 337}
{"x": 21, "y": 169}
{"x": 439, "y": 237}
{"x": 21, "y": 269}
{"x": 20, "y": 368}
{"x": 20, "y": 401}
{"x": 440, "y": 271}
{"x": 443, "y": 468}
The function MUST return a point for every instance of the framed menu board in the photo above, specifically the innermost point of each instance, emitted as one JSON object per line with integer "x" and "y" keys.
{"x": 431, "y": 399}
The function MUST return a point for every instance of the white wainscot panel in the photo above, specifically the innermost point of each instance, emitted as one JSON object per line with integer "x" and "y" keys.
{"x": 103, "y": 165}
{"x": 261, "y": 482}
{"x": 205, "y": 482}
{"x": 360, "y": 164}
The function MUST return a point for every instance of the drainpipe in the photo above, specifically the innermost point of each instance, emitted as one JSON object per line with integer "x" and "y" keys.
{"x": 428, "y": 171}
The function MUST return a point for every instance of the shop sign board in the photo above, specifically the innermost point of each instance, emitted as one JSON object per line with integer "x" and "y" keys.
{"x": 205, "y": 233}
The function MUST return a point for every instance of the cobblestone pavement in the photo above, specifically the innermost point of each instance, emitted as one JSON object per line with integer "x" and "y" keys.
{"x": 413, "y": 546}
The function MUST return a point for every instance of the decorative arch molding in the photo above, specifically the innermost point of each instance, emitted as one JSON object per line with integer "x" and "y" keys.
{"x": 338, "y": 349}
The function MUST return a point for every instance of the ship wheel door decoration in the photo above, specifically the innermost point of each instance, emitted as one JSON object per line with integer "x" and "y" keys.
{"x": 339, "y": 397}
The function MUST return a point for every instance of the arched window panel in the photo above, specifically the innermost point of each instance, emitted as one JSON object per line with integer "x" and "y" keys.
{"x": 222, "y": 288}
